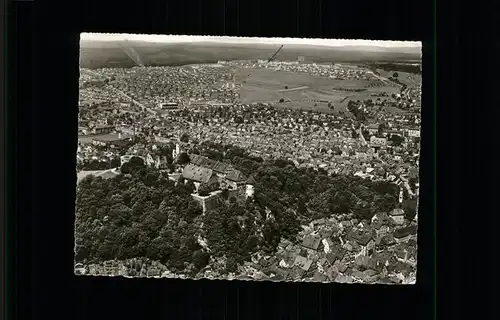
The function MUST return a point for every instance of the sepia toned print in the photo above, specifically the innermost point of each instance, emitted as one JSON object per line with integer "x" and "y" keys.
{"x": 248, "y": 158}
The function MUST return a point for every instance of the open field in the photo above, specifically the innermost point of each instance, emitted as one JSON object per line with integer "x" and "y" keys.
{"x": 304, "y": 91}
{"x": 404, "y": 77}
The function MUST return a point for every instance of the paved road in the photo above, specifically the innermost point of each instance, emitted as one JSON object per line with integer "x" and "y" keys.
{"x": 383, "y": 79}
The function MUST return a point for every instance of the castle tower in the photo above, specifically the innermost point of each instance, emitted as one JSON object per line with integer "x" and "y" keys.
{"x": 176, "y": 151}
{"x": 250, "y": 188}
{"x": 250, "y": 191}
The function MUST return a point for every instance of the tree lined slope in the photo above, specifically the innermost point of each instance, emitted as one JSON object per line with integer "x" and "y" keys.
{"x": 143, "y": 214}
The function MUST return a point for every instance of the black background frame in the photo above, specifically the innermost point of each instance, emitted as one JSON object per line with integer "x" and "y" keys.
{"x": 42, "y": 134}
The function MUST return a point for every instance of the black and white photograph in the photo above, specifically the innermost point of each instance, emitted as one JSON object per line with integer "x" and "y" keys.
{"x": 256, "y": 159}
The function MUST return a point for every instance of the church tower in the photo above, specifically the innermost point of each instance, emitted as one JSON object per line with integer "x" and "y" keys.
{"x": 177, "y": 150}
{"x": 250, "y": 188}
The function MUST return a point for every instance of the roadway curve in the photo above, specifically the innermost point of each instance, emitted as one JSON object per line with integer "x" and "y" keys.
{"x": 383, "y": 79}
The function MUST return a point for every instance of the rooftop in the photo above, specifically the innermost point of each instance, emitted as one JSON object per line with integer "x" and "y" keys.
{"x": 197, "y": 173}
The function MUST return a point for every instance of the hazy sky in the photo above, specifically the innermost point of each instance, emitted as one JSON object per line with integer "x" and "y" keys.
{"x": 317, "y": 42}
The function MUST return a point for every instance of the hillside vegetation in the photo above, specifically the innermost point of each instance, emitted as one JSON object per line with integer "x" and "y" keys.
{"x": 143, "y": 214}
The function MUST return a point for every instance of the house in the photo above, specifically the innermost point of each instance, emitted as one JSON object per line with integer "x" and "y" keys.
{"x": 388, "y": 240}
{"x": 332, "y": 273}
{"x": 362, "y": 261}
{"x": 376, "y": 262}
{"x": 361, "y": 238}
{"x": 326, "y": 233}
{"x": 103, "y": 129}
{"x": 377, "y": 224}
{"x": 311, "y": 242}
{"x": 199, "y": 175}
{"x": 343, "y": 279}
{"x": 302, "y": 262}
{"x": 320, "y": 277}
{"x": 168, "y": 106}
{"x": 279, "y": 277}
{"x": 390, "y": 280}
{"x": 398, "y": 216}
{"x": 336, "y": 254}
{"x": 83, "y": 123}
{"x": 370, "y": 247}
{"x": 327, "y": 245}
{"x": 412, "y": 243}
{"x": 369, "y": 273}
{"x": 405, "y": 232}
{"x": 378, "y": 141}
{"x": 161, "y": 162}
{"x": 358, "y": 275}
{"x": 235, "y": 179}
{"x": 413, "y": 133}
{"x": 296, "y": 274}
{"x": 412, "y": 172}
{"x": 83, "y": 130}
{"x": 228, "y": 176}
{"x": 372, "y": 128}
{"x": 345, "y": 224}
{"x": 350, "y": 246}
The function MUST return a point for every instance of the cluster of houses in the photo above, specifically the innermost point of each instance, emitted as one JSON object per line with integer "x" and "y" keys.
{"x": 341, "y": 249}
{"x": 333, "y": 71}
{"x": 337, "y": 249}
{"x": 189, "y": 83}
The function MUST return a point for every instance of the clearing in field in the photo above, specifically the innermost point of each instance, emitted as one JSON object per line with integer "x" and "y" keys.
{"x": 303, "y": 91}
{"x": 411, "y": 80}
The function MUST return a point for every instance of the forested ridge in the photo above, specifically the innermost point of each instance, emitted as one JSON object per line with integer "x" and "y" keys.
{"x": 142, "y": 214}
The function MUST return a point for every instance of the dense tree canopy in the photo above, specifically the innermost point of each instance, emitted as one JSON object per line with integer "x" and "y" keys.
{"x": 140, "y": 213}
{"x": 183, "y": 158}
{"x": 184, "y": 137}
{"x": 396, "y": 139}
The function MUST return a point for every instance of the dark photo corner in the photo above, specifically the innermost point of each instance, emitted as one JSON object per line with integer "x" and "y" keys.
{"x": 43, "y": 73}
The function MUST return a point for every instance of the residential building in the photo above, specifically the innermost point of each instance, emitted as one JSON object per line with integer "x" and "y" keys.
{"x": 199, "y": 175}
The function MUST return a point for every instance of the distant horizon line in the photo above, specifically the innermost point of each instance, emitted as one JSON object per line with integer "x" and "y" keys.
{"x": 99, "y": 37}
